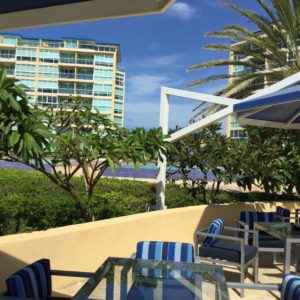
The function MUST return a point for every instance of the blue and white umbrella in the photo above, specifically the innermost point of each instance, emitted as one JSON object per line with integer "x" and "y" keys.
{"x": 280, "y": 109}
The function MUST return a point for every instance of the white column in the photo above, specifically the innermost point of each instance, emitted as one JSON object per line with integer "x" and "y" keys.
{"x": 162, "y": 165}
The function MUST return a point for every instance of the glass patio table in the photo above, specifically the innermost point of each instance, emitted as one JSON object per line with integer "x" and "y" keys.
{"x": 134, "y": 279}
{"x": 283, "y": 231}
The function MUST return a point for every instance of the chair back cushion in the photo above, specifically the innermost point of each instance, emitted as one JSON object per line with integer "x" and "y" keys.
{"x": 216, "y": 227}
{"x": 290, "y": 288}
{"x": 172, "y": 251}
{"x": 249, "y": 217}
{"x": 283, "y": 212}
{"x": 33, "y": 281}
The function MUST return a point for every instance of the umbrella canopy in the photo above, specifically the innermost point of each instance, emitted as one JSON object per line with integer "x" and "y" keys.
{"x": 280, "y": 109}
{"x": 29, "y": 13}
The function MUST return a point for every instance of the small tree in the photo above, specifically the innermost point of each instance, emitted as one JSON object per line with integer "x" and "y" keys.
{"x": 83, "y": 141}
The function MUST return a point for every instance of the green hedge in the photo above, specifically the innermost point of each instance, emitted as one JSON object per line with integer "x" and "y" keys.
{"x": 29, "y": 201}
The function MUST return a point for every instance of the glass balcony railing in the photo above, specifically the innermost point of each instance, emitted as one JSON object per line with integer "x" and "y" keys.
{"x": 84, "y": 92}
{"x": 67, "y": 75}
{"x": 85, "y": 76}
{"x": 66, "y": 91}
{"x": 7, "y": 56}
{"x": 83, "y": 61}
{"x": 67, "y": 60}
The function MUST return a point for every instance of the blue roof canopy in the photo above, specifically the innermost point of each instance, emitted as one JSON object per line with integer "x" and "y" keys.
{"x": 280, "y": 109}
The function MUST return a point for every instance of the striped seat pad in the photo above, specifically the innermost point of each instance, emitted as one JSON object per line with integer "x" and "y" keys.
{"x": 216, "y": 227}
{"x": 33, "y": 281}
{"x": 290, "y": 288}
{"x": 249, "y": 217}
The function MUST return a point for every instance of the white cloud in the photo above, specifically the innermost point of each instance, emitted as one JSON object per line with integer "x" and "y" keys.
{"x": 171, "y": 60}
{"x": 144, "y": 85}
{"x": 182, "y": 11}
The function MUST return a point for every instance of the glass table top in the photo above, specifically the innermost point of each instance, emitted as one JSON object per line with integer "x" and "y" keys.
{"x": 280, "y": 230}
{"x": 133, "y": 279}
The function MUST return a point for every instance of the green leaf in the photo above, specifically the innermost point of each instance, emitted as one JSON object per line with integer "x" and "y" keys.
{"x": 14, "y": 138}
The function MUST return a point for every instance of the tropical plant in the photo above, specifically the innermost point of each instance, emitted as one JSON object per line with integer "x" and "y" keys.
{"x": 264, "y": 57}
{"x": 85, "y": 142}
{"x": 20, "y": 130}
{"x": 206, "y": 155}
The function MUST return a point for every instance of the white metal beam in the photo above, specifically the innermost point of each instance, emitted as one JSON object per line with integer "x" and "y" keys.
{"x": 199, "y": 96}
{"x": 221, "y": 114}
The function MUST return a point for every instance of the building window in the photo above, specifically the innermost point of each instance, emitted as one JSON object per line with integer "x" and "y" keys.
{"x": 49, "y": 56}
{"x": 120, "y": 79}
{"x": 106, "y": 60}
{"x": 7, "y": 54}
{"x": 30, "y": 84}
{"x": 103, "y": 75}
{"x": 9, "y": 68}
{"x": 71, "y": 44}
{"x": 46, "y": 101}
{"x": 48, "y": 86}
{"x": 26, "y": 55}
{"x": 84, "y": 89}
{"x": 118, "y": 108}
{"x": 67, "y": 58}
{"x": 25, "y": 70}
{"x": 10, "y": 40}
{"x": 119, "y": 94}
{"x": 104, "y": 105}
{"x": 102, "y": 89}
{"x": 85, "y": 59}
{"x": 67, "y": 73}
{"x": 85, "y": 74}
{"x": 48, "y": 71}
{"x": 66, "y": 88}
{"x": 118, "y": 120}
{"x": 238, "y": 134}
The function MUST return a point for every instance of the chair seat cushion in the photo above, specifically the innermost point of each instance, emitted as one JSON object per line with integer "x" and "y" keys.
{"x": 268, "y": 241}
{"x": 228, "y": 251}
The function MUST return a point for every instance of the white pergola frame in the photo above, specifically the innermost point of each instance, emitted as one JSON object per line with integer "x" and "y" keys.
{"x": 217, "y": 116}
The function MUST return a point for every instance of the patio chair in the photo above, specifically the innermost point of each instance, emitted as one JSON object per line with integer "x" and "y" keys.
{"x": 226, "y": 250}
{"x": 34, "y": 281}
{"x": 266, "y": 242}
{"x": 289, "y": 288}
{"x": 172, "y": 287}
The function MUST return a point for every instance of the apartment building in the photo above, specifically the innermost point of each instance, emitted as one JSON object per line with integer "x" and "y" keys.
{"x": 55, "y": 69}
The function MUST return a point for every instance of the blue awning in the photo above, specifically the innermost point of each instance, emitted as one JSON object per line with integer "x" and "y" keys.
{"x": 280, "y": 109}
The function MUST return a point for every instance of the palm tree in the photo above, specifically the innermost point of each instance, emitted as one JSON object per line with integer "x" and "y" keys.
{"x": 263, "y": 57}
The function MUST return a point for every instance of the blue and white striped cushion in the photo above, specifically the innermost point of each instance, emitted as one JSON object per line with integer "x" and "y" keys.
{"x": 290, "y": 289}
{"x": 171, "y": 251}
{"x": 33, "y": 281}
{"x": 216, "y": 227}
{"x": 249, "y": 217}
{"x": 283, "y": 212}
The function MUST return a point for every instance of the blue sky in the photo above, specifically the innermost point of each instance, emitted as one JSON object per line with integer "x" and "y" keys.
{"x": 156, "y": 50}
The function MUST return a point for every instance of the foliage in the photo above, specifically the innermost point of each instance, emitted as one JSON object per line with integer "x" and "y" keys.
{"x": 271, "y": 160}
{"x": 29, "y": 201}
{"x": 20, "y": 131}
{"x": 73, "y": 138}
{"x": 275, "y": 44}
{"x": 210, "y": 152}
